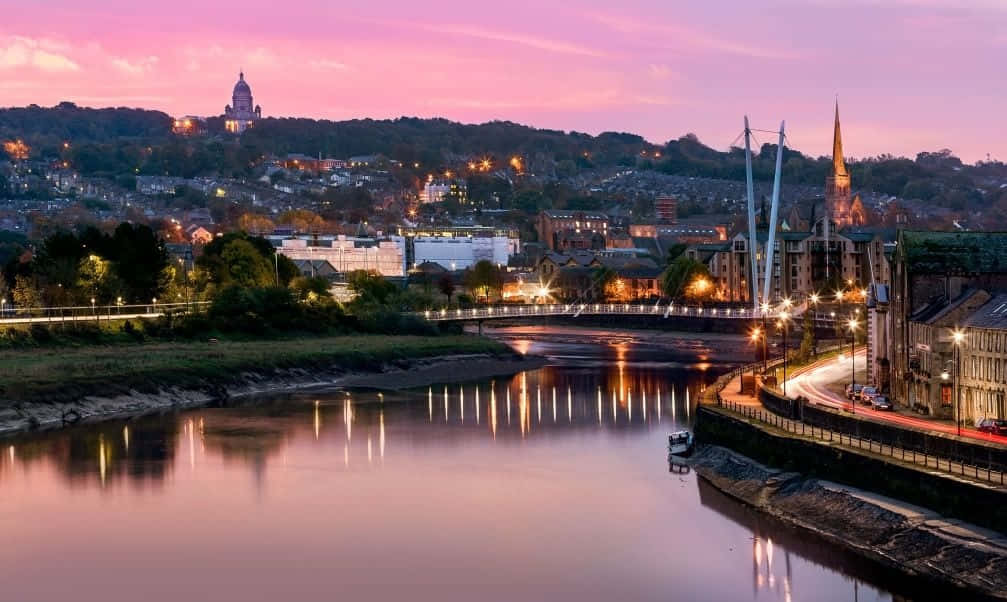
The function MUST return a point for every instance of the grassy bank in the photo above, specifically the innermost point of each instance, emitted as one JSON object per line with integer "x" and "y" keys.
{"x": 67, "y": 373}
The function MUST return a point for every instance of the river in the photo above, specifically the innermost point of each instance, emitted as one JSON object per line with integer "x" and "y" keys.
{"x": 548, "y": 485}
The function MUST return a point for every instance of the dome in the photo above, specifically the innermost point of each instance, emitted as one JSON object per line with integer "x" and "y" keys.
{"x": 241, "y": 88}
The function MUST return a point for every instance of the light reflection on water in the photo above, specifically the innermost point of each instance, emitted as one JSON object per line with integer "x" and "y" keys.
{"x": 438, "y": 493}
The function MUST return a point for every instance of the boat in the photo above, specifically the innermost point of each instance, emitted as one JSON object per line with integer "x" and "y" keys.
{"x": 680, "y": 443}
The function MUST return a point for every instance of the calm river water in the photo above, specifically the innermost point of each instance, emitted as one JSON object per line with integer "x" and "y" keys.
{"x": 549, "y": 485}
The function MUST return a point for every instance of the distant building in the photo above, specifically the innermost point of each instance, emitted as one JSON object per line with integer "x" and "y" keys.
{"x": 241, "y": 114}
{"x": 158, "y": 184}
{"x": 666, "y": 209}
{"x": 346, "y": 254}
{"x": 458, "y": 248}
{"x": 690, "y": 233}
{"x": 198, "y": 235}
{"x": 844, "y": 209}
{"x": 561, "y": 230}
{"x": 190, "y": 125}
{"x": 436, "y": 191}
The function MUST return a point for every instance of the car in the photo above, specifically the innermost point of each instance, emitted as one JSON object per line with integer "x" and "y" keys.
{"x": 882, "y": 403}
{"x": 867, "y": 394}
{"x": 853, "y": 391}
{"x": 993, "y": 426}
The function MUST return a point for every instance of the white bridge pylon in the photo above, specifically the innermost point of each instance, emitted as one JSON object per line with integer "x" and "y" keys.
{"x": 758, "y": 300}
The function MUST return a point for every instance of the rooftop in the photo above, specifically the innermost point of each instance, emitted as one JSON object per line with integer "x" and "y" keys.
{"x": 955, "y": 252}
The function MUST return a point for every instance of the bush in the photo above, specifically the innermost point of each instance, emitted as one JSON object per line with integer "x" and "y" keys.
{"x": 40, "y": 332}
{"x": 132, "y": 331}
{"x": 85, "y": 331}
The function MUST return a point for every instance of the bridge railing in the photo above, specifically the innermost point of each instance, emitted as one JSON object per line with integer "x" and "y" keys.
{"x": 577, "y": 309}
{"x": 10, "y": 314}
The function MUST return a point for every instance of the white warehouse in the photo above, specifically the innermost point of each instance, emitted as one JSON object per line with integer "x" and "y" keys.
{"x": 459, "y": 248}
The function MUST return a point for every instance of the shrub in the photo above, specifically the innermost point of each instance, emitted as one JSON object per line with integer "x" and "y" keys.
{"x": 40, "y": 332}
{"x": 132, "y": 331}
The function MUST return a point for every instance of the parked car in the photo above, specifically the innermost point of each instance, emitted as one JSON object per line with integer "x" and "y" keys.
{"x": 867, "y": 394}
{"x": 882, "y": 403}
{"x": 853, "y": 391}
{"x": 993, "y": 426}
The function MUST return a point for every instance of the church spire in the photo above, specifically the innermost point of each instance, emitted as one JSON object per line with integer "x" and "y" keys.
{"x": 838, "y": 165}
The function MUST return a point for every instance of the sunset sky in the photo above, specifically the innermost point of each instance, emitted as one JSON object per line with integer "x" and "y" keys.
{"x": 910, "y": 75}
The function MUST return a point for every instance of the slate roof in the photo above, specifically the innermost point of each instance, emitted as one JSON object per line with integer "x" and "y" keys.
{"x": 991, "y": 315}
{"x": 954, "y": 252}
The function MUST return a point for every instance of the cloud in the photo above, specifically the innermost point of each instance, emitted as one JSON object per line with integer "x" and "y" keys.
{"x": 329, "y": 65}
{"x": 134, "y": 68}
{"x": 683, "y": 36}
{"x": 659, "y": 71}
{"x": 43, "y": 55}
{"x": 521, "y": 39}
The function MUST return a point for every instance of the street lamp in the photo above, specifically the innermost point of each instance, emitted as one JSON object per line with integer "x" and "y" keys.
{"x": 958, "y": 337}
{"x": 784, "y": 316}
{"x": 853, "y": 324}
{"x": 758, "y": 333}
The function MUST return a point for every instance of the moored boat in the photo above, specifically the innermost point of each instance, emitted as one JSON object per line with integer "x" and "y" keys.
{"x": 680, "y": 443}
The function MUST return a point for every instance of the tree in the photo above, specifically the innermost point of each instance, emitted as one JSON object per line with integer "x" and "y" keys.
{"x": 255, "y": 223}
{"x": 483, "y": 279}
{"x": 684, "y": 273}
{"x": 809, "y": 346}
{"x": 245, "y": 266}
{"x": 314, "y": 289}
{"x": 26, "y": 294}
{"x": 447, "y": 286}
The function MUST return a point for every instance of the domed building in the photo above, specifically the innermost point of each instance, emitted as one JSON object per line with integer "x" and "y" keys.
{"x": 240, "y": 114}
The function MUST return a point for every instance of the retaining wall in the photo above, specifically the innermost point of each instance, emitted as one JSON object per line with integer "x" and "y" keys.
{"x": 952, "y": 497}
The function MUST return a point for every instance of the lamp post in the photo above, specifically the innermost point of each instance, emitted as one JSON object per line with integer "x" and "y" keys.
{"x": 3, "y": 307}
{"x": 93, "y": 311}
{"x": 765, "y": 337}
{"x": 784, "y": 316}
{"x": 958, "y": 337}
{"x": 853, "y": 324}
{"x": 756, "y": 334}
{"x": 814, "y": 324}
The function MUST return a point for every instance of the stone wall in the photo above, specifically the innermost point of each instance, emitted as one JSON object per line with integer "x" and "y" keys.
{"x": 945, "y": 494}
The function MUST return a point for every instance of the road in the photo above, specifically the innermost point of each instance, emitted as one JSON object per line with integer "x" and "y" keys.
{"x": 813, "y": 385}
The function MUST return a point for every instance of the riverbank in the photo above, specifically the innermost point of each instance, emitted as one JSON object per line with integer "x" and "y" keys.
{"x": 49, "y": 388}
{"x": 915, "y": 541}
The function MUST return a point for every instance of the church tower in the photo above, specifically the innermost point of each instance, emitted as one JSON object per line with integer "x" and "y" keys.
{"x": 837, "y": 183}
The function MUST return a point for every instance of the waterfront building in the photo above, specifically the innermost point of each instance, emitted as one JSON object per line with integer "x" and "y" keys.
{"x": 349, "y": 254}
{"x": 561, "y": 230}
{"x": 803, "y": 262}
{"x": 932, "y": 270}
{"x": 242, "y": 113}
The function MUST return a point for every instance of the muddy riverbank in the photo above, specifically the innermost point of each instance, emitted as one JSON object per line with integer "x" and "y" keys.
{"x": 162, "y": 396}
{"x": 915, "y": 541}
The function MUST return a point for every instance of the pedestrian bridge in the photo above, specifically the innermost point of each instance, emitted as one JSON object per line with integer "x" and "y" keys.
{"x": 504, "y": 312}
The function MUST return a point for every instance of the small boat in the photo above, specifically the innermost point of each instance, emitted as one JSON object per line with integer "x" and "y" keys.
{"x": 680, "y": 443}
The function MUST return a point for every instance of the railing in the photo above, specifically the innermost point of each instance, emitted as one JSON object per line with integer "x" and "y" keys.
{"x": 577, "y": 309}
{"x": 83, "y": 313}
{"x": 987, "y": 474}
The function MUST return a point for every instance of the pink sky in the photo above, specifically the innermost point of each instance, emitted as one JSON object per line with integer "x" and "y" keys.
{"x": 911, "y": 75}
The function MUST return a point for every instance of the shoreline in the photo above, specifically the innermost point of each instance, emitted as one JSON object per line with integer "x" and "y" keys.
{"x": 397, "y": 374}
{"x": 917, "y": 542}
